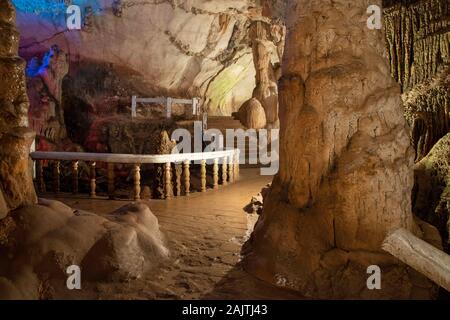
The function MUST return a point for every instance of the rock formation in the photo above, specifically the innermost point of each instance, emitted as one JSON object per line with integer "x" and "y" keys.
{"x": 188, "y": 48}
{"x": 418, "y": 41}
{"x": 267, "y": 38}
{"x": 44, "y": 87}
{"x": 431, "y": 196}
{"x": 252, "y": 114}
{"x": 345, "y": 161}
{"x": 427, "y": 109}
{"x": 40, "y": 242}
{"x": 16, "y": 185}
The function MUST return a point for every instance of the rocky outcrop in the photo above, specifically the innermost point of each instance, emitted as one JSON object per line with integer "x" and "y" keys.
{"x": 41, "y": 242}
{"x": 16, "y": 185}
{"x": 345, "y": 161}
{"x": 252, "y": 114}
{"x": 163, "y": 48}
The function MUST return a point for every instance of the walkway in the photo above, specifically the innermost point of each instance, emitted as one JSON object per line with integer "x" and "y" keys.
{"x": 205, "y": 233}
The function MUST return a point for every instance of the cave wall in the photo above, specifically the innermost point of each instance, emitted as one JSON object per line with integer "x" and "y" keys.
{"x": 172, "y": 48}
{"x": 345, "y": 160}
{"x": 16, "y": 185}
{"x": 418, "y": 42}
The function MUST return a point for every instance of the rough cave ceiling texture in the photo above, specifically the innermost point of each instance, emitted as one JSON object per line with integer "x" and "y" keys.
{"x": 178, "y": 48}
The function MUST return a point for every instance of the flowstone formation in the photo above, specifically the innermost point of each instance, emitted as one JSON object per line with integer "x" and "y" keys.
{"x": 345, "y": 162}
{"x": 431, "y": 196}
{"x": 16, "y": 184}
{"x": 40, "y": 241}
{"x": 38, "y": 244}
{"x": 267, "y": 39}
{"x": 44, "y": 87}
{"x": 418, "y": 41}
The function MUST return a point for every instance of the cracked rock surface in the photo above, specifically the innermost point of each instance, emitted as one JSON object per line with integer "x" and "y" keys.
{"x": 172, "y": 48}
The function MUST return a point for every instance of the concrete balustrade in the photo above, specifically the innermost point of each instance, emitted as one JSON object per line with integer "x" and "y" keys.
{"x": 176, "y": 166}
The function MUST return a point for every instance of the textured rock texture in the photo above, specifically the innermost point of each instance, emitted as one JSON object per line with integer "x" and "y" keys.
{"x": 252, "y": 114}
{"x": 40, "y": 242}
{"x": 16, "y": 185}
{"x": 177, "y": 48}
{"x": 44, "y": 87}
{"x": 418, "y": 41}
{"x": 345, "y": 161}
{"x": 427, "y": 109}
{"x": 267, "y": 40}
{"x": 431, "y": 196}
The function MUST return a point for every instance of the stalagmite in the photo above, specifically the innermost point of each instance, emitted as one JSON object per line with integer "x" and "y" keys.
{"x": 345, "y": 160}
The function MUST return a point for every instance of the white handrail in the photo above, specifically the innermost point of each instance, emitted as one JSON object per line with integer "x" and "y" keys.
{"x": 167, "y": 101}
{"x": 133, "y": 158}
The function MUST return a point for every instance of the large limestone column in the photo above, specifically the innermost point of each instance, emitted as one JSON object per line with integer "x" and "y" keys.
{"x": 345, "y": 160}
{"x": 16, "y": 185}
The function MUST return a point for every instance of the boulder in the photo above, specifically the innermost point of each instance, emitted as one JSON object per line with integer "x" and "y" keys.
{"x": 43, "y": 240}
{"x": 252, "y": 115}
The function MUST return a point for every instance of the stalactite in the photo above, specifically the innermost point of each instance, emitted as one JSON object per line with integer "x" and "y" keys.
{"x": 417, "y": 34}
{"x": 418, "y": 40}
{"x": 427, "y": 110}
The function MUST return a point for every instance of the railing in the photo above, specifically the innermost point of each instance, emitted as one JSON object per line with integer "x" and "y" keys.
{"x": 168, "y": 102}
{"x": 229, "y": 161}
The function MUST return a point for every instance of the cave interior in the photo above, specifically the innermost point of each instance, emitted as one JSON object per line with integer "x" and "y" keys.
{"x": 224, "y": 149}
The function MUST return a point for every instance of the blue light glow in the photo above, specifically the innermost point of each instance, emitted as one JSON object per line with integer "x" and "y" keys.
{"x": 54, "y": 8}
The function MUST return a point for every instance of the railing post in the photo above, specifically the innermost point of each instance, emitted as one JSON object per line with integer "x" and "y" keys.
{"x": 169, "y": 108}
{"x": 178, "y": 170}
{"x": 40, "y": 176}
{"x": 111, "y": 187}
{"x": 93, "y": 183}
{"x": 187, "y": 177}
{"x": 203, "y": 175}
{"x": 224, "y": 172}
{"x": 168, "y": 180}
{"x": 137, "y": 181}
{"x": 216, "y": 174}
{"x": 74, "y": 177}
{"x": 134, "y": 107}
{"x": 56, "y": 176}
{"x": 236, "y": 165}
{"x": 230, "y": 169}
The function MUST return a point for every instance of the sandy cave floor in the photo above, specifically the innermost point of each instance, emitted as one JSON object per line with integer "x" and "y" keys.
{"x": 205, "y": 233}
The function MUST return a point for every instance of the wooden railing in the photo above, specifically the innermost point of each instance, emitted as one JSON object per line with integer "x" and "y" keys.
{"x": 228, "y": 161}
